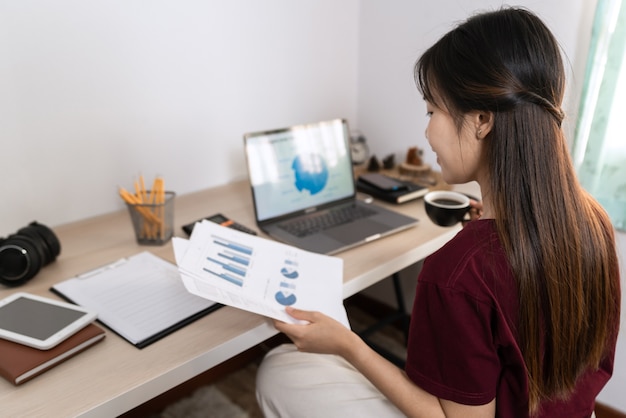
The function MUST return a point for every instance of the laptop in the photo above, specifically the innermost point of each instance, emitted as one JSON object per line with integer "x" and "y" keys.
{"x": 301, "y": 176}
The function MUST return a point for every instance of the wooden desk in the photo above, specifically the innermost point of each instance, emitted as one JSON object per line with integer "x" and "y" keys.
{"x": 114, "y": 376}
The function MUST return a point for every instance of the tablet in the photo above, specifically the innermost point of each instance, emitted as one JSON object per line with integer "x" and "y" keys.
{"x": 40, "y": 322}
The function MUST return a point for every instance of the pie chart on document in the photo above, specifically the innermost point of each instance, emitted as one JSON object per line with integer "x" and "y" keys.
{"x": 289, "y": 272}
{"x": 285, "y": 298}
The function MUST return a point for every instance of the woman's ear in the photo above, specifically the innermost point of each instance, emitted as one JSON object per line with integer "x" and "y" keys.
{"x": 483, "y": 122}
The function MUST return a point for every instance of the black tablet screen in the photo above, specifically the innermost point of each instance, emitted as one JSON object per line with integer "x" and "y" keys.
{"x": 36, "y": 319}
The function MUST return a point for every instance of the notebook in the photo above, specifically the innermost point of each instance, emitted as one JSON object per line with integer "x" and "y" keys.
{"x": 20, "y": 363}
{"x": 300, "y": 176}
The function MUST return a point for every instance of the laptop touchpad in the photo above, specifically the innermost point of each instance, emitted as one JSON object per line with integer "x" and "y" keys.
{"x": 355, "y": 231}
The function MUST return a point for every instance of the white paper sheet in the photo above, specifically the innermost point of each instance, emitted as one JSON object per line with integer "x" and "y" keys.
{"x": 138, "y": 297}
{"x": 259, "y": 275}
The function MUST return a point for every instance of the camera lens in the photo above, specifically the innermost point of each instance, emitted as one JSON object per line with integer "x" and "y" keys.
{"x": 44, "y": 240}
{"x": 23, "y": 254}
{"x": 17, "y": 263}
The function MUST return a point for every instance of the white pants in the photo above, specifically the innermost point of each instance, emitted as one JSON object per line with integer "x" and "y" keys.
{"x": 291, "y": 384}
{"x": 303, "y": 385}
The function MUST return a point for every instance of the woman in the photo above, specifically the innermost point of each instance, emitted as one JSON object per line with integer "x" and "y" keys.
{"x": 518, "y": 314}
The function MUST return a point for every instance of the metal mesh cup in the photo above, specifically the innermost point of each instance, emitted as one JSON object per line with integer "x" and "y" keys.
{"x": 153, "y": 222}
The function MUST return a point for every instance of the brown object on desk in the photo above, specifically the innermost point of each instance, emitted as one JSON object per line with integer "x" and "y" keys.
{"x": 414, "y": 156}
{"x": 414, "y": 165}
{"x": 20, "y": 363}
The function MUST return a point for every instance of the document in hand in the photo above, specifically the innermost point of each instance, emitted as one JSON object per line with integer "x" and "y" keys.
{"x": 259, "y": 275}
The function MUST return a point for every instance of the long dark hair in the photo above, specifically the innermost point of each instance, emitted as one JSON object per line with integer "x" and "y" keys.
{"x": 558, "y": 240}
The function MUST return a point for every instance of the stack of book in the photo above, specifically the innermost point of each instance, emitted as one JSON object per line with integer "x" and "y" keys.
{"x": 404, "y": 191}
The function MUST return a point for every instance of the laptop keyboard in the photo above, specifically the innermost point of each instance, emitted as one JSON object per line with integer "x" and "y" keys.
{"x": 314, "y": 223}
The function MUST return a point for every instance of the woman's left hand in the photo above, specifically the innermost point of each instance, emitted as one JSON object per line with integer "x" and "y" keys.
{"x": 475, "y": 211}
{"x": 322, "y": 334}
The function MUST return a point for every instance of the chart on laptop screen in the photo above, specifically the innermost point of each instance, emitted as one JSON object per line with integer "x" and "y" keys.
{"x": 298, "y": 168}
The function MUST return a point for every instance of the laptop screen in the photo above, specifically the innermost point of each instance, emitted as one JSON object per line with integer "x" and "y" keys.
{"x": 297, "y": 168}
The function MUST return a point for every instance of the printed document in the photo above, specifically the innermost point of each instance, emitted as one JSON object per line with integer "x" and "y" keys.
{"x": 259, "y": 275}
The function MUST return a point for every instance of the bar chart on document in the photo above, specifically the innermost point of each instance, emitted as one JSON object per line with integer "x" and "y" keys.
{"x": 259, "y": 275}
{"x": 234, "y": 262}
{"x": 231, "y": 261}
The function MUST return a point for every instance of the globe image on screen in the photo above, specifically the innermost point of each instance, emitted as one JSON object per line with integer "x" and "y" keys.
{"x": 311, "y": 173}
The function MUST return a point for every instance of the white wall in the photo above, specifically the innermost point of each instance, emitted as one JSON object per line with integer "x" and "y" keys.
{"x": 94, "y": 93}
{"x": 391, "y": 112}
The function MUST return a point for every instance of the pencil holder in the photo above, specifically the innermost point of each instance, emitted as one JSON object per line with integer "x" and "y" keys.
{"x": 153, "y": 222}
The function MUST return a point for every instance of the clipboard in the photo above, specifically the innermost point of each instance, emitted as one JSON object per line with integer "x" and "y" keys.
{"x": 141, "y": 298}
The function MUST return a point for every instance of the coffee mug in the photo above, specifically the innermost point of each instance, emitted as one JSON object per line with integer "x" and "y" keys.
{"x": 446, "y": 208}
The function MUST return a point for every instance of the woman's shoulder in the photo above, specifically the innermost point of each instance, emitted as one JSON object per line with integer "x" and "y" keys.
{"x": 473, "y": 261}
{"x": 478, "y": 238}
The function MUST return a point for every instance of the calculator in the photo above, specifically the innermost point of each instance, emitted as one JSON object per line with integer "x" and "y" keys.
{"x": 218, "y": 218}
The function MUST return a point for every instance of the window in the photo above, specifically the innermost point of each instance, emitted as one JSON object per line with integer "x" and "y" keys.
{"x": 600, "y": 140}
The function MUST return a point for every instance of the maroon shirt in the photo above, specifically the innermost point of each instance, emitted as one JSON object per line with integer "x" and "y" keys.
{"x": 462, "y": 344}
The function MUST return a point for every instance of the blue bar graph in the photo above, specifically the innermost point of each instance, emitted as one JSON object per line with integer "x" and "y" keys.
{"x": 229, "y": 267}
{"x": 229, "y": 255}
{"x": 232, "y": 245}
{"x": 227, "y": 277}
{"x": 231, "y": 262}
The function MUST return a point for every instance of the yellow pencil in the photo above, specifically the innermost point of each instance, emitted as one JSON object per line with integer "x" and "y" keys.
{"x": 160, "y": 201}
{"x": 144, "y": 195}
{"x": 138, "y": 191}
{"x": 134, "y": 200}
